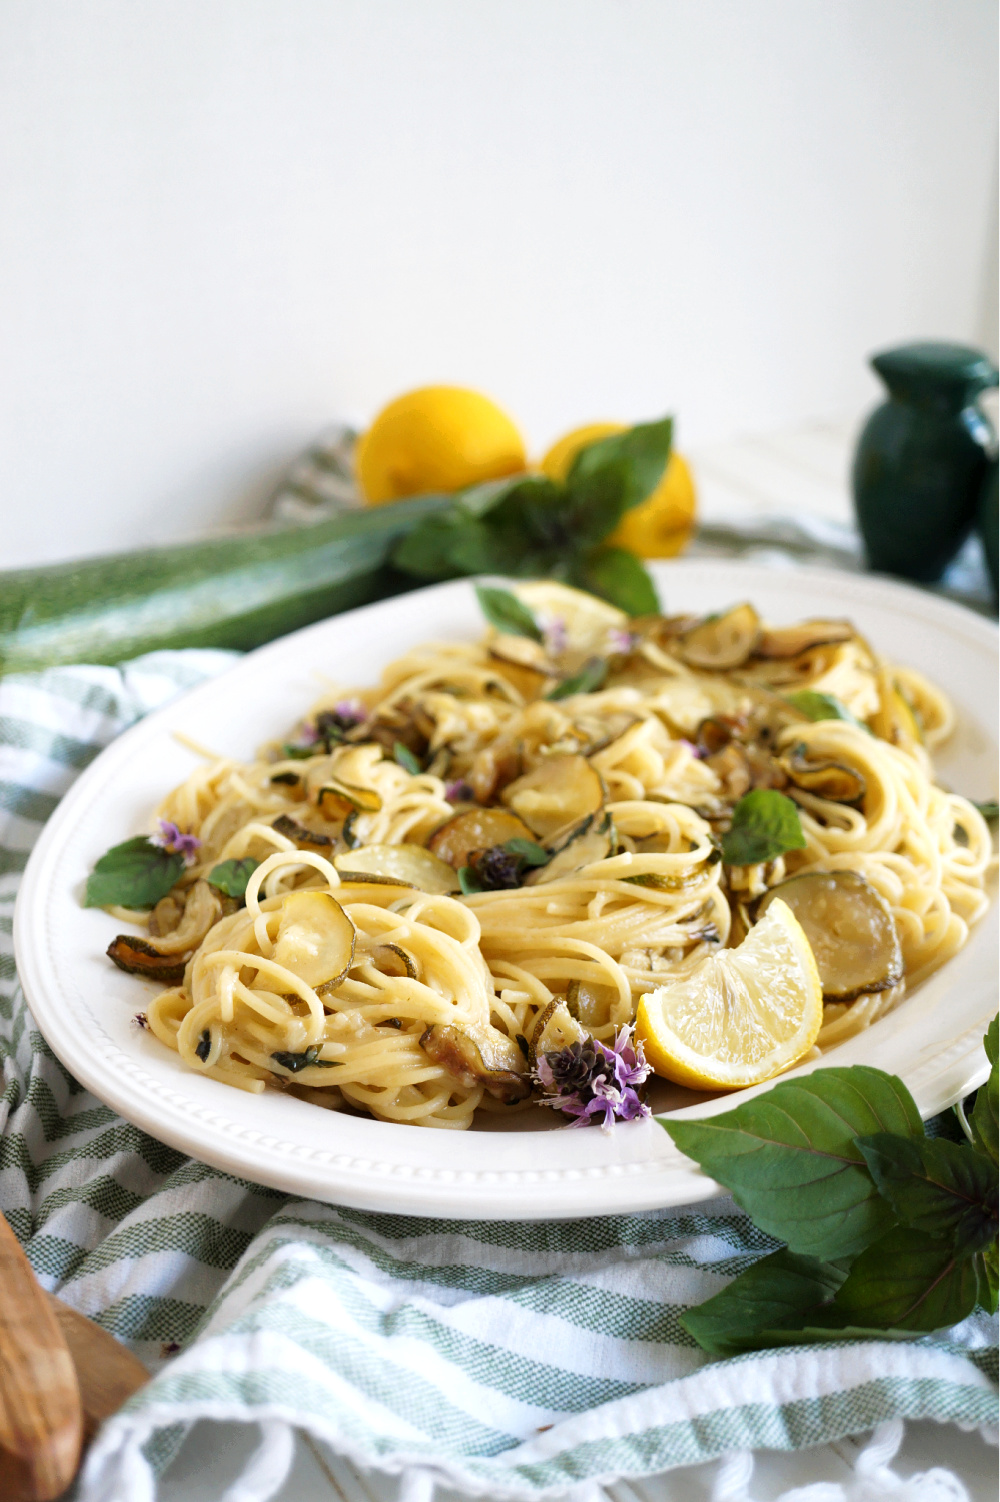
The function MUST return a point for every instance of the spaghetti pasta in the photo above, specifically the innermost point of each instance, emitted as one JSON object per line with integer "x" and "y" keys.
{"x": 444, "y": 975}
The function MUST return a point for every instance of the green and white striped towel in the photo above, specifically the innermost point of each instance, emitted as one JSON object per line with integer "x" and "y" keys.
{"x": 507, "y": 1360}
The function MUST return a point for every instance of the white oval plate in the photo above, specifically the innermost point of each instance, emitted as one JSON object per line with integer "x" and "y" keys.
{"x": 84, "y": 1006}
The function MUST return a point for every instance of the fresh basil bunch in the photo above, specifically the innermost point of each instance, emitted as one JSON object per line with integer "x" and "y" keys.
{"x": 529, "y": 526}
{"x": 888, "y": 1233}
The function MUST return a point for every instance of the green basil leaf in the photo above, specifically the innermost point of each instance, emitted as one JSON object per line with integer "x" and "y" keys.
{"x": 134, "y": 874}
{"x": 293, "y": 1062}
{"x": 633, "y": 461}
{"x": 935, "y": 1186}
{"x": 986, "y": 1111}
{"x": 617, "y": 575}
{"x": 990, "y": 809}
{"x": 232, "y": 876}
{"x": 791, "y": 1161}
{"x": 782, "y": 1291}
{"x": 910, "y": 1281}
{"x": 765, "y": 824}
{"x": 988, "y": 1280}
{"x": 531, "y": 853}
{"x": 591, "y": 677}
{"x": 816, "y": 706}
{"x": 300, "y": 753}
{"x": 505, "y": 611}
{"x": 469, "y": 881}
{"x": 991, "y": 1041}
{"x": 404, "y": 757}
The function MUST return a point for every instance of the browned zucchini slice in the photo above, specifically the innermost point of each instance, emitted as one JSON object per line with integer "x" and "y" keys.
{"x": 408, "y": 865}
{"x": 298, "y": 832}
{"x": 335, "y": 800}
{"x": 476, "y": 829}
{"x": 723, "y": 641}
{"x": 480, "y": 1056}
{"x": 138, "y": 957}
{"x": 790, "y": 641}
{"x": 850, "y": 928}
{"x": 827, "y": 779}
{"x": 560, "y": 791}
{"x": 522, "y": 652}
{"x": 593, "y": 839}
{"x": 315, "y": 941}
{"x": 392, "y": 960}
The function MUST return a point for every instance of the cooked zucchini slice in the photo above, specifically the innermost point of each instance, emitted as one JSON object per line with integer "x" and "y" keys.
{"x": 392, "y": 960}
{"x": 408, "y": 865}
{"x": 827, "y": 779}
{"x": 335, "y": 800}
{"x": 791, "y": 641}
{"x": 480, "y": 1056}
{"x": 592, "y": 839}
{"x": 475, "y": 829}
{"x": 138, "y": 957}
{"x": 315, "y": 940}
{"x": 560, "y": 791}
{"x": 298, "y": 832}
{"x": 723, "y": 641}
{"x": 850, "y": 928}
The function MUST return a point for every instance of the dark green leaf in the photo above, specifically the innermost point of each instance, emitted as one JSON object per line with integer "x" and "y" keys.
{"x": 405, "y": 758}
{"x": 618, "y": 576}
{"x": 816, "y": 706}
{"x": 985, "y": 1113}
{"x": 134, "y": 874}
{"x": 469, "y": 881}
{"x": 936, "y": 1186}
{"x": 293, "y": 1062}
{"x": 505, "y": 611}
{"x": 531, "y": 853}
{"x": 791, "y": 1160}
{"x": 300, "y": 753}
{"x": 608, "y": 477}
{"x": 990, "y": 809}
{"x": 988, "y": 1280}
{"x": 910, "y": 1281}
{"x": 232, "y": 876}
{"x": 782, "y": 1291}
{"x": 991, "y": 1041}
{"x": 765, "y": 824}
{"x": 588, "y": 680}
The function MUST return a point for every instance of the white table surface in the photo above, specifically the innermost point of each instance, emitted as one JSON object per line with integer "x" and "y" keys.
{"x": 804, "y": 470}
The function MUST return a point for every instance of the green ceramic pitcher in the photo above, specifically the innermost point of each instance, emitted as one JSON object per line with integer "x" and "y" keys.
{"x": 922, "y": 457}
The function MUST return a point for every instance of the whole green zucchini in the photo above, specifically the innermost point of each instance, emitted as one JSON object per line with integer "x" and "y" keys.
{"x": 235, "y": 591}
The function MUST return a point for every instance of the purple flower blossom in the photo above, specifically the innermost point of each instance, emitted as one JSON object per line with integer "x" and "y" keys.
{"x": 350, "y": 711}
{"x": 458, "y": 792}
{"x": 175, "y": 842}
{"x": 554, "y": 632}
{"x": 621, "y": 641}
{"x": 696, "y": 751}
{"x": 595, "y": 1082}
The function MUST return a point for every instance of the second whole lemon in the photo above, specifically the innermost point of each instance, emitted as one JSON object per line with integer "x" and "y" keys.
{"x": 658, "y": 528}
{"x": 436, "y": 439}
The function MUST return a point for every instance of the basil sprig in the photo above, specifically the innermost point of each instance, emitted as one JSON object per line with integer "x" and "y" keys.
{"x": 135, "y": 874}
{"x": 888, "y": 1233}
{"x": 231, "y": 876}
{"x": 817, "y": 706}
{"x": 764, "y": 825}
{"x": 532, "y": 527}
{"x": 506, "y": 612}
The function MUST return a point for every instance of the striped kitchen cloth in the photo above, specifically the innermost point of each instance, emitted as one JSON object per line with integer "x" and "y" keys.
{"x": 516, "y": 1360}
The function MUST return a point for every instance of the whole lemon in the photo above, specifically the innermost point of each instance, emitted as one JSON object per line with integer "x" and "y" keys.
{"x": 658, "y": 528}
{"x": 437, "y": 438}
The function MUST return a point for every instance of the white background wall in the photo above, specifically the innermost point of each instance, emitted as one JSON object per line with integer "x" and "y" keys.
{"x": 225, "y": 222}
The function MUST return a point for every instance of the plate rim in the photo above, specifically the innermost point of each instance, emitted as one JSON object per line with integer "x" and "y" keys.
{"x": 363, "y": 1181}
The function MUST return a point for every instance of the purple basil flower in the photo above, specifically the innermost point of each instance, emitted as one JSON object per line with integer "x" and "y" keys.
{"x": 554, "y": 633}
{"x": 350, "y": 711}
{"x": 621, "y": 641}
{"x": 175, "y": 842}
{"x": 595, "y": 1082}
{"x": 458, "y": 792}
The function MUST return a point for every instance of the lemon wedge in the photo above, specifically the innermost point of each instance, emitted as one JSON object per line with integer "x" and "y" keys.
{"x": 743, "y": 1015}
